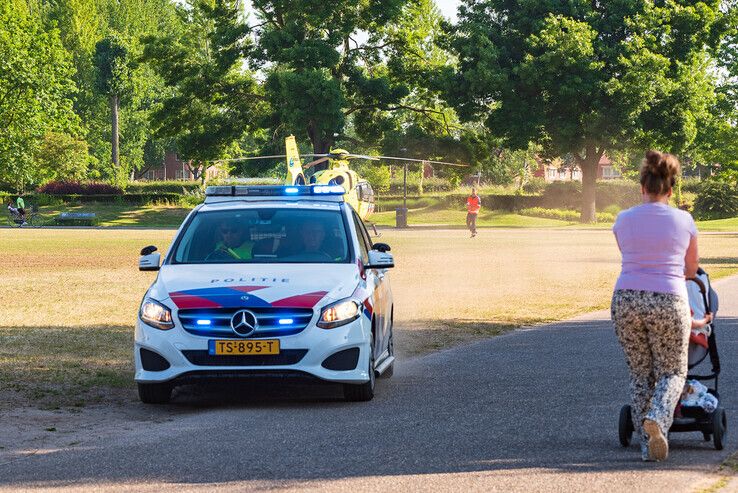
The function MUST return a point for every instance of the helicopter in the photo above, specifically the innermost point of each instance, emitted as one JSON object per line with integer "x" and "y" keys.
{"x": 359, "y": 192}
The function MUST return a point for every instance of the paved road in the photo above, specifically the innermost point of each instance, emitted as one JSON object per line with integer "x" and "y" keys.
{"x": 534, "y": 410}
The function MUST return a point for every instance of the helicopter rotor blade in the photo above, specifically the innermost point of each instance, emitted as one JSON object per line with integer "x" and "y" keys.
{"x": 317, "y": 161}
{"x": 422, "y": 161}
{"x": 362, "y": 156}
{"x": 252, "y": 158}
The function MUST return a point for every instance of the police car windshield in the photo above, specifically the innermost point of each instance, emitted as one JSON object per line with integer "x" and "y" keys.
{"x": 264, "y": 235}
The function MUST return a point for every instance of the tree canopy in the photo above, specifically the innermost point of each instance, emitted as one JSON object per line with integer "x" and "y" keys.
{"x": 586, "y": 77}
{"x": 36, "y": 91}
{"x": 212, "y": 101}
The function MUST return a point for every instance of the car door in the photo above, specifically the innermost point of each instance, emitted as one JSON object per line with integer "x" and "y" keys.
{"x": 377, "y": 287}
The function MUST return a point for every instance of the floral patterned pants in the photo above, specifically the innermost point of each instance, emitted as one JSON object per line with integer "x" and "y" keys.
{"x": 653, "y": 329}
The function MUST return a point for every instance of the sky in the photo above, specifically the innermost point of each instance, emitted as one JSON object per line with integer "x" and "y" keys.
{"x": 448, "y": 8}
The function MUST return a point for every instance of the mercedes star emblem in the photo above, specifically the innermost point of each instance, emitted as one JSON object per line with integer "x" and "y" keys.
{"x": 244, "y": 323}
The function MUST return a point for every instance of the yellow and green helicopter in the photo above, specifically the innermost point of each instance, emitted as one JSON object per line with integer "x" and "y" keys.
{"x": 359, "y": 192}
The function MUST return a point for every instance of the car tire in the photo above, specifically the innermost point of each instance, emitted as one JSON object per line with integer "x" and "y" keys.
{"x": 155, "y": 393}
{"x": 364, "y": 391}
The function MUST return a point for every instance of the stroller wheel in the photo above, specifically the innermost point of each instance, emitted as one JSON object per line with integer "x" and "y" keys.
{"x": 719, "y": 427}
{"x": 625, "y": 426}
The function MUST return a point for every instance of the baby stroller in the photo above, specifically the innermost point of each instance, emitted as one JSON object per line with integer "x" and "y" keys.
{"x": 702, "y": 299}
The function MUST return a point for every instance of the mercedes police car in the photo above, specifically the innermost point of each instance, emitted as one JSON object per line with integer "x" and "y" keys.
{"x": 267, "y": 281}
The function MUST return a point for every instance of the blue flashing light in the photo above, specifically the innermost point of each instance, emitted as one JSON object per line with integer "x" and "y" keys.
{"x": 204, "y": 322}
{"x": 286, "y": 321}
{"x": 329, "y": 189}
{"x": 291, "y": 190}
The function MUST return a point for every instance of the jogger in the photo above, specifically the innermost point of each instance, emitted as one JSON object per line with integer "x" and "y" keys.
{"x": 653, "y": 329}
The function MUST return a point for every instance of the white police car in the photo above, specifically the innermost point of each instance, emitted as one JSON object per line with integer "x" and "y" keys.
{"x": 267, "y": 281}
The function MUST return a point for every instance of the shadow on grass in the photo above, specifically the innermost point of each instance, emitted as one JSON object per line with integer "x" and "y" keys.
{"x": 65, "y": 366}
{"x": 719, "y": 260}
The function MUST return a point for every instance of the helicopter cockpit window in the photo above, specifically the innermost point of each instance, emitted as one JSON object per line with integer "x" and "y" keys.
{"x": 264, "y": 236}
{"x": 366, "y": 193}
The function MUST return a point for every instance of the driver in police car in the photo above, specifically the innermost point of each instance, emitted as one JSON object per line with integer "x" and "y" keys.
{"x": 235, "y": 241}
{"x": 312, "y": 234}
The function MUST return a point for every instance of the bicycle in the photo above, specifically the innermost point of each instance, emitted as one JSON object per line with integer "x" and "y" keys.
{"x": 33, "y": 218}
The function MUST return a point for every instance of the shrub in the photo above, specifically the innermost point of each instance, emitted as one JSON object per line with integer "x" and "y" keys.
{"x": 691, "y": 184}
{"x": 623, "y": 193}
{"x": 166, "y": 186}
{"x": 612, "y": 209}
{"x": 716, "y": 200}
{"x": 378, "y": 176}
{"x": 568, "y": 195}
{"x": 433, "y": 184}
{"x": 79, "y": 188}
{"x": 535, "y": 185}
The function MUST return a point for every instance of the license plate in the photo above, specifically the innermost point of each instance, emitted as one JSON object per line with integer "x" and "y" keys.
{"x": 262, "y": 346}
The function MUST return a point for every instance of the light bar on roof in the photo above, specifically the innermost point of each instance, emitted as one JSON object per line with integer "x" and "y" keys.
{"x": 273, "y": 191}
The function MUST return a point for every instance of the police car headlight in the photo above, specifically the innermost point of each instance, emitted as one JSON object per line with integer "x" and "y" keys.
{"x": 155, "y": 314}
{"x": 339, "y": 313}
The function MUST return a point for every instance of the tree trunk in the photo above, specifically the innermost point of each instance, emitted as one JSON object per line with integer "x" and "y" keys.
{"x": 321, "y": 145}
{"x": 589, "y": 184}
{"x": 114, "y": 133}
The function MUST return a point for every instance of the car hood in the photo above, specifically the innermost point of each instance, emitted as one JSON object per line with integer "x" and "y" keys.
{"x": 255, "y": 285}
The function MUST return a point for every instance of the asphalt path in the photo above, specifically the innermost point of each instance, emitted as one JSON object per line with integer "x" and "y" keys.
{"x": 533, "y": 410}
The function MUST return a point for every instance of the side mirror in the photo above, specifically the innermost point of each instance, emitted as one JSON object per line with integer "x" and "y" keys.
{"x": 381, "y": 247}
{"x": 149, "y": 259}
{"x": 148, "y": 250}
{"x": 380, "y": 260}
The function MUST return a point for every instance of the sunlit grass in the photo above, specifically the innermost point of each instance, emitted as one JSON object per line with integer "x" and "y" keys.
{"x": 70, "y": 297}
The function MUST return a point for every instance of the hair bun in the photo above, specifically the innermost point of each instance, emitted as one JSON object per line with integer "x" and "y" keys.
{"x": 656, "y": 164}
{"x": 659, "y": 172}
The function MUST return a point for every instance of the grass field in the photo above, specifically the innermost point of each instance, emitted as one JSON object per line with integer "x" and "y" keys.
{"x": 70, "y": 297}
{"x": 171, "y": 216}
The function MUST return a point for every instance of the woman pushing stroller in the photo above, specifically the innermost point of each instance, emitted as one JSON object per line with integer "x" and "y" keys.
{"x": 650, "y": 308}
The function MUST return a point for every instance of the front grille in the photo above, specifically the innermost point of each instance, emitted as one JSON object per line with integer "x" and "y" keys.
{"x": 273, "y": 322}
{"x": 204, "y": 358}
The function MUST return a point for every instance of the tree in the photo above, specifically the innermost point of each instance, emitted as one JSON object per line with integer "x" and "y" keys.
{"x": 585, "y": 77}
{"x": 322, "y": 73}
{"x": 61, "y": 157}
{"x": 212, "y": 101}
{"x": 36, "y": 91}
{"x": 113, "y": 64}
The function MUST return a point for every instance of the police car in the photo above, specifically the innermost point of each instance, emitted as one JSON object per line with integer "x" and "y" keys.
{"x": 267, "y": 281}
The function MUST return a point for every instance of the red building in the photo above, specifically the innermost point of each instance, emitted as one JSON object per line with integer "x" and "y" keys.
{"x": 174, "y": 169}
{"x": 553, "y": 171}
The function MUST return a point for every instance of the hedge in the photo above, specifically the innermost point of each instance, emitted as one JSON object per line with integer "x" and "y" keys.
{"x": 163, "y": 186}
{"x": 568, "y": 195}
{"x": 458, "y": 201}
{"x": 127, "y": 198}
{"x": 79, "y": 188}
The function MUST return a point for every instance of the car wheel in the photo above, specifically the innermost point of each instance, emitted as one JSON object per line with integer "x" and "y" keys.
{"x": 364, "y": 391}
{"x": 155, "y": 393}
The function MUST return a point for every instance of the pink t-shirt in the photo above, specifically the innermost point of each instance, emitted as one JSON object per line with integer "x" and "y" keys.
{"x": 653, "y": 239}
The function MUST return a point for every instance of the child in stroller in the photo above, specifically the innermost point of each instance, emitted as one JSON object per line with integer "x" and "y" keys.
{"x": 703, "y": 301}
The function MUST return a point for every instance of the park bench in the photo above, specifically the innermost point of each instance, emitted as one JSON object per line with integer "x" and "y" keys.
{"x": 76, "y": 218}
